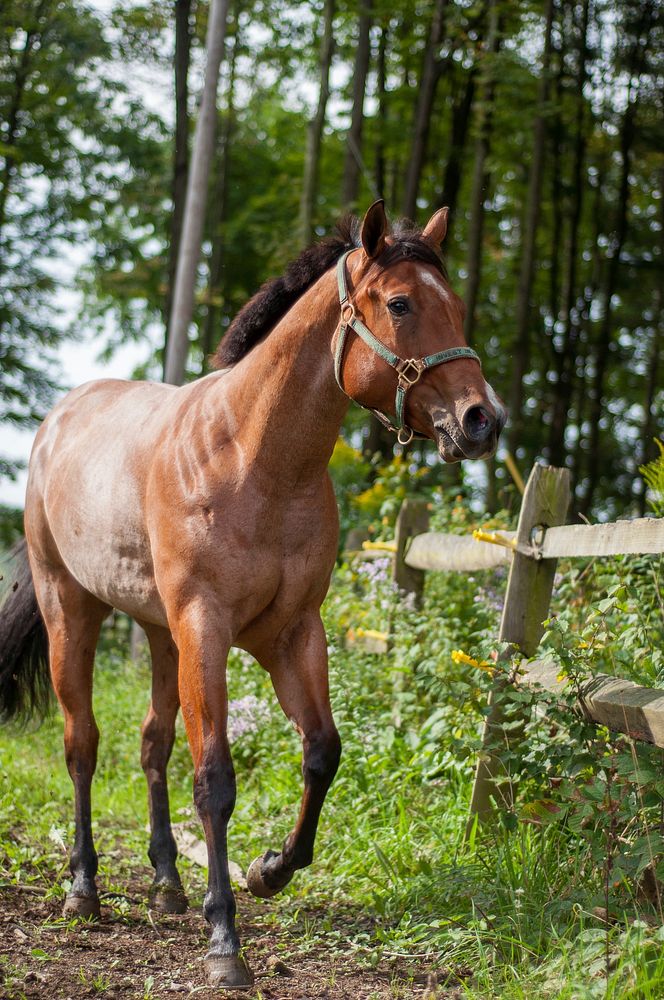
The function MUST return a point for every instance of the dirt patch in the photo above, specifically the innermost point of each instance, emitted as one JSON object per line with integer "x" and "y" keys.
{"x": 137, "y": 953}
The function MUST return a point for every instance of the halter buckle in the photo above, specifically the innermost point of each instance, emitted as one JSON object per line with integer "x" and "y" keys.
{"x": 410, "y": 370}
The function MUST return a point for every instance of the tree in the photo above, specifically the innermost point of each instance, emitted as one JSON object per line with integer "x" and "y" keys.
{"x": 194, "y": 211}
{"x": 480, "y": 173}
{"x": 180, "y": 149}
{"x": 71, "y": 138}
{"x": 219, "y": 214}
{"x": 460, "y": 116}
{"x": 353, "y": 158}
{"x": 521, "y": 342}
{"x": 424, "y": 109}
{"x": 316, "y": 125}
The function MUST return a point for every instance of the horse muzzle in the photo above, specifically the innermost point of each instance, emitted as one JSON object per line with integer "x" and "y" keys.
{"x": 474, "y": 435}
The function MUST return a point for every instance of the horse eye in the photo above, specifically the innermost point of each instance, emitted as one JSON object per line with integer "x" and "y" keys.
{"x": 398, "y": 307}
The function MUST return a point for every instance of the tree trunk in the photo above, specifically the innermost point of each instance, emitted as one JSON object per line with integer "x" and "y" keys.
{"x": 481, "y": 176}
{"x": 461, "y": 114}
{"x": 315, "y": 131}
{"x": 557, "y": 138}
{"x": 520, "y": 356}
{"x": 382, "y": 109}
{"x": 353, "y": 159}
{"x": 565, "y": 357}
{"x": 194, "y": 213}
{"x": 427, "y": 93}
{"x": 181, "y": 151}
{"x": 216, "y": 268}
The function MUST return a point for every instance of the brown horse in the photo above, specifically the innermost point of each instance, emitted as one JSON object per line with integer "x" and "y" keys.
{"x": 206, "y": 512}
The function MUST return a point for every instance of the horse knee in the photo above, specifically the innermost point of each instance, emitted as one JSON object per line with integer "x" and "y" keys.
{"x": 322, "y": 753}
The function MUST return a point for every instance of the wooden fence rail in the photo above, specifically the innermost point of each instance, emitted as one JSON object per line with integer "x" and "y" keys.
{"x": 532, "y": 552}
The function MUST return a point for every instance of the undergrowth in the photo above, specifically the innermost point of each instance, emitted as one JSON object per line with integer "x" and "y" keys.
{"x": 556, "y": 897}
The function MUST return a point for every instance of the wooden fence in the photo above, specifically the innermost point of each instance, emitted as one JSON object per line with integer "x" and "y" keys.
{"x": 532, "y": 552}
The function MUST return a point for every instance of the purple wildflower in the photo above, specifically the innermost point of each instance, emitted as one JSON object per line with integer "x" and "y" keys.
{"x": 244, "y": 716}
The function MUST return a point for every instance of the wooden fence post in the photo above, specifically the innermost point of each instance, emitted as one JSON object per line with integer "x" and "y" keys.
{"x": 545, "y": 504}
{"x": 413, "y": 519}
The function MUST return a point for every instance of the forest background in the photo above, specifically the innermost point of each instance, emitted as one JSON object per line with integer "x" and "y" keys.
{"x": 539, "y": 124}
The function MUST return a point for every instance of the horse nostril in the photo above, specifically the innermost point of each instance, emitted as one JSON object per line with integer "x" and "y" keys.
{"x": 477, "y": 424}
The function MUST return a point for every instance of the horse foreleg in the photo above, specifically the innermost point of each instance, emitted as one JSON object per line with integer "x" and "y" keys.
{"x": 158, "y": 736}
{"x": 73, "y": 619}
{"x": 204, "y": 699}
{"x": 298, "y": 668}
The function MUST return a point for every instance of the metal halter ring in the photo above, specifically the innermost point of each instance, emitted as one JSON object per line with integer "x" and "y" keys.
{"x": 347, "y": 313}
{"x": 411, "y": 366}
{"x": 409, "y": 432}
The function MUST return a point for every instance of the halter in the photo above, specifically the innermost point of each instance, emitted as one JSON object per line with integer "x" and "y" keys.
{"x": 409, "y": 370}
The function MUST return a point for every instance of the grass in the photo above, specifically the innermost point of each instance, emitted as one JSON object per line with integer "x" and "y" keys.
{"x": 514, "y": 914}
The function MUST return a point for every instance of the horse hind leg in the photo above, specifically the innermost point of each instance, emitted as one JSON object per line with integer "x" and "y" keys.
{"x": 73, "y": 619}
{"x": 158, "y": 735}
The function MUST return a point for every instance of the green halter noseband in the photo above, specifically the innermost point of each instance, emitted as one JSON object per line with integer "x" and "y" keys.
{"x": 409, "y": 370}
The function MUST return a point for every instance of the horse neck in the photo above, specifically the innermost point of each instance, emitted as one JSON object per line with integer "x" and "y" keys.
{"x": 288, "y": 407}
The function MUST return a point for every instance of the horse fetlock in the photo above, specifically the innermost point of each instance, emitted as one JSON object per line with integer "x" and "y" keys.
{"x": 163, "y": 853}
{"x": 83, "y": 864}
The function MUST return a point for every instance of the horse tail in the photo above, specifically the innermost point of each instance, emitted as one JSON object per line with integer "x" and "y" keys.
{"x": 25, "y": 684}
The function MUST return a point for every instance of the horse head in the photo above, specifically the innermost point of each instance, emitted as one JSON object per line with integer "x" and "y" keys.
{"x": 400, "y": 316}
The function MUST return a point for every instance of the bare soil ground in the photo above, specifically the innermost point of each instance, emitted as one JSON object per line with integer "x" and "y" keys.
{"x": 142, "y": 954}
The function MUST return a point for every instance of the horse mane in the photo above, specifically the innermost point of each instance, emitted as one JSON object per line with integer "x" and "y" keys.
{"x": 274, "y": 298}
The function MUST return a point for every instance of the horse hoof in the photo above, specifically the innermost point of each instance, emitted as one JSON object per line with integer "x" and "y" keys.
{"x": 230, "y": 972}
{"x": 256, "y": 884}
{"x": 168, "y": 899}
{"x": 82, "y": 906}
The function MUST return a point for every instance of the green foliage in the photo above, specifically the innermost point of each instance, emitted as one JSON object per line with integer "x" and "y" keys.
{"x": 653, "y": 476}
{"x": 77, "y": 154}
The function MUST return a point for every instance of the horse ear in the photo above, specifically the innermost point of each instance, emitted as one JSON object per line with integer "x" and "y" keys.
{"x": 374, "y": 229}
{"x": 436, "y": 228}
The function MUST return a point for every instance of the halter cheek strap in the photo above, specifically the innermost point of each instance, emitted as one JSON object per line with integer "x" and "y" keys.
{"x": 409, "y": 370}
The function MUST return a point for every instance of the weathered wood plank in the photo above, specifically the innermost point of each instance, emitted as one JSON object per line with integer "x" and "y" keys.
{"x": 454, "y": 553}
{"x": 545, "y": 503}
{"x": 620, "y": 705}
{"x": 413, "y": 520}
{"x": 641, "y": 536}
